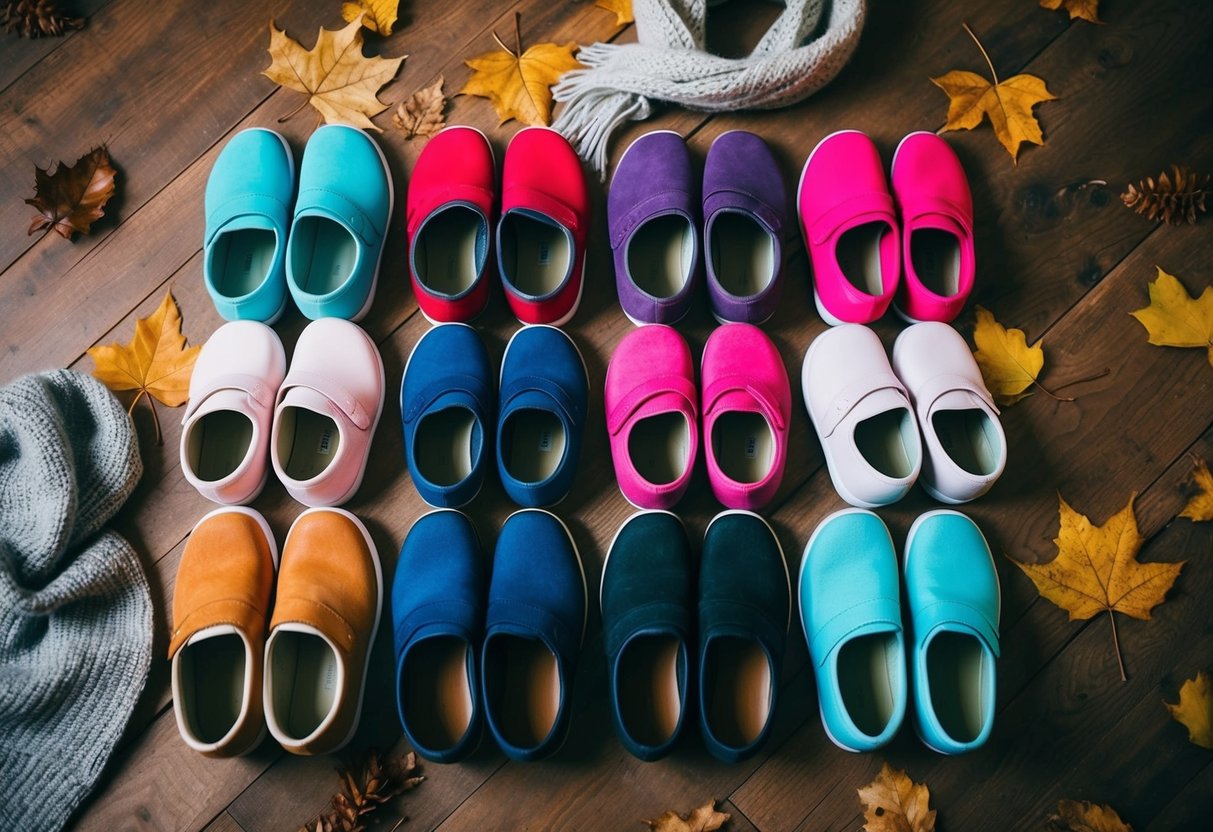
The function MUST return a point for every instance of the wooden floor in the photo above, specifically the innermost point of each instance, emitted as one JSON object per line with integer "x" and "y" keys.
{"x": 167, "y": 84}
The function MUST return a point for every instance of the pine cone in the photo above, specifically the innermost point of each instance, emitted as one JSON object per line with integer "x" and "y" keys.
{"x": 1172, "y": 199}
{"x": 366, "y": 787}
{"x": 36, "y": 18}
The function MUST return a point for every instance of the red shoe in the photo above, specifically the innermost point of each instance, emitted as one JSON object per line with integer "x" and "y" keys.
{"x": 450, "y": 212}
{"x": 545, "y": 215}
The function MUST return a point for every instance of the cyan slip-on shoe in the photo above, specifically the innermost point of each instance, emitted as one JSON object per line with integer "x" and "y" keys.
{"x": 446, "y": 402}
{"x": 533, "y": 633}
{"x": 850, "y": 609}
{"x": 647, "y": 600}
{"x": 954, "y": 604}
{"x": 744, "y": 613}
{"x": 438, "y": 598}
{"x": 248, "y": 211}
{"x": 543, "y": 396}
{"x": 341, "y": 217}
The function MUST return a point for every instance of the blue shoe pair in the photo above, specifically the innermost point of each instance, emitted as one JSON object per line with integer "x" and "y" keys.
{"x": 328, "y": 257}
{"x": 472, "y": 649}
{"x": 850, "y": 608}
{"x": 651, "y": 612}
{"x": 447, "y": 403}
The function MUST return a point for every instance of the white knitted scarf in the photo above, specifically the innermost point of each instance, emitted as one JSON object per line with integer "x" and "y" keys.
{"x": 796, "y": 57}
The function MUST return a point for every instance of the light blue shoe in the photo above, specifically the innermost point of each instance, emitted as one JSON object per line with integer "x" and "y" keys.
{"x": 248, "y": 210}
{"x": 954, "y": 601}
{"x": 341, "y": 217}
{"x": 850, "y": 609}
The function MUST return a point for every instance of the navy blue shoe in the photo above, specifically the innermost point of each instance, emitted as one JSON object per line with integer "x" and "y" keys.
{"x": 446, "y": 400}
{"x": 533, "y": 633}
{"x": 744, "y": 613}
{"x": 438, "y": 599}
{"x": 647, "y": 599}
{"x": 541, "y": 419}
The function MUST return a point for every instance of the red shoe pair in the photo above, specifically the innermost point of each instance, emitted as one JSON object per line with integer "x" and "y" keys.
{"x": 540, "y": 237}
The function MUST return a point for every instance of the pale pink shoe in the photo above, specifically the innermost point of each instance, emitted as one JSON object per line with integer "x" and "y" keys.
{"x": 226, "y": 430}
{"x": 747, "y": 403}
{"x": 936, "y": 210}
{"x": 652, "y": 417}
{"x": 327, "y": 410}
{"x": 850, "y": 229}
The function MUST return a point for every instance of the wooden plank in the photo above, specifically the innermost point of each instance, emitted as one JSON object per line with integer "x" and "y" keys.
{"x": 224, "y": 823}
{"x": 1190, "y": 808}
{"x": 20, "y": 54}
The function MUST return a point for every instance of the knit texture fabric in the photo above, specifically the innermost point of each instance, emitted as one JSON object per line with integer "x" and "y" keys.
{"x": 75, "y": 608}
{"x": 803, "y": 50}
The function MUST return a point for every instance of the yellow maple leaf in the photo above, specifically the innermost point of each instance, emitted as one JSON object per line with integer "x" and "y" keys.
{"x": 621, "y": 8}
{"x": 703, "y": 819}
{"x": 1008, "y": 104}
{"x": 422, "y": 113}
{"x": 1176, "y": 319}
{"x": 1194, "y": 710}
{"x": 156, "y": 362}
{"x": 1087, "y": 10}
{"x": 1096, "y": 570}
{"x": 377, "y": 15}
{"x": 340, "y": 82}
{"x": 1200, "y": 506}
{"x": 1008, "y": 365}
{"x": 1085, "y": 816}
{"x": 895, "y": 803}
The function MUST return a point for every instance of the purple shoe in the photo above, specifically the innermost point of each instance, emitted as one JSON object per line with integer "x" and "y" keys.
{"x": 745, "y": 209}
{"x": 653, "y": 217}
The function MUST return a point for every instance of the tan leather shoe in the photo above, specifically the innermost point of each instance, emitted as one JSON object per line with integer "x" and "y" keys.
{"x": 220, "y": 604}
{"x": 330, "y": 591}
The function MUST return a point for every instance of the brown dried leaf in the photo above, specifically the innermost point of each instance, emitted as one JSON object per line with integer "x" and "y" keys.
{"x": 1087, "y": 10}
{"x": 1200, "y": 505}
{"x": 1085, "y": 816}
{"x": 378, "y": 16}
{"x": 1194, "y": 710}
{"x": 703, "y": 819}
{"x": 423, "y": 112}
{"x": 894, "y": 803}
{"x": 621, "y": 8}
{"x": 72, "y": 198}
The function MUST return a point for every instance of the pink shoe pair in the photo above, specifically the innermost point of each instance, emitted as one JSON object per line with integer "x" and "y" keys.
{"x": 860, "y": 238}
{"x": 653, "y": 409}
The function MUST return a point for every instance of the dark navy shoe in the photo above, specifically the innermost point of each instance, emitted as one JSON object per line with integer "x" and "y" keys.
{"x": 744, "y": 612}
{"x": 446, "y": 400}
{"x": 533, "y": 633}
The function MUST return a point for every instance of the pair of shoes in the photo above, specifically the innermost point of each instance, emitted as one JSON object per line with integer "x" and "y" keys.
{"x": 850, "y": 609}
{"x": 540, "y": 238}
{"x": 326, "y": 249}
{"x": 861, "y": 238}
{"x": 307, "y": 679}
{"x": 653, "y": 409}
{"x": 649, "y": 601}
{"x": 447, "y": 403}
{"x": 314, "y": 424}
{"x": 654, "y": 213}
{"x": 473, "y": 648}
{"x": 873, "y": 419}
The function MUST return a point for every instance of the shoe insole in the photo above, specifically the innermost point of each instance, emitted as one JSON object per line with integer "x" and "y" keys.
{"x": 858, "y": 255}
{"x": 935, "y": 254}
{"x": 737, "y": 695}
{"x": 437, "y": 693}
{"x": 530, "y": 696}
{"x": 659, "y": 447}
{"x": 218, "y": 443}
{"x": 969, "y": 439}
{"x": 957, "y": 676}
{"x": 881, "y": 441}
{"x": 536, "y": 254}
{"x": 744, "y": 446}
{"x": 865, "y": 681}
{"x": 659, "y": 255}
{"x": 533, "y": 443}
{"x": 324, "y": 255}
{"x": 305, "y": 672}
{"x": 212, "y": 671}
{"x": 743, "y": 254}
{"x": 308, "y": 442}
{"x": 442, "y": 447}
{"x": 445, "y": 252}
{"x": 240, "y": 260}
{"x": 650, "y": 703}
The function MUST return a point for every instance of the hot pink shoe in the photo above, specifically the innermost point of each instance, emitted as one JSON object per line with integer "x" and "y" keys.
{"x": 936, "y": 210}
{"x": 450, "y": 217}
{"x": 651, "y": 416}
{"x": 545, "y": 214}
{"x": 850, "y": 229}
{"x": 746, "y": 407}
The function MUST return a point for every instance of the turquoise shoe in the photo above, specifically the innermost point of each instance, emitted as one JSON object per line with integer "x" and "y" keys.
{"x": 248, "y": 209}
{"x": 341, "y": 217}
{"x": 850, "y": 609}
{"x": 954, "y": 601}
